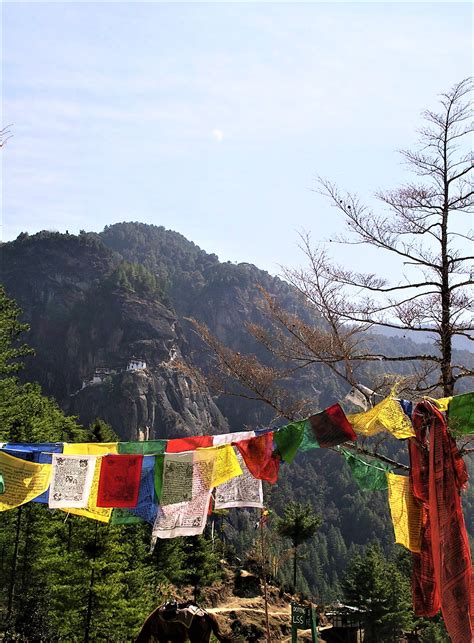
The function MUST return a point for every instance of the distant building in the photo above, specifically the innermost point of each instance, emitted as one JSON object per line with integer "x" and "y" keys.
{"x": 136, "y": 364}
{"x": 102, "y": 373}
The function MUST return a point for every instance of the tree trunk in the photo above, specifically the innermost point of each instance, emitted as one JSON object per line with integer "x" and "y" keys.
{"x": 294, "y": 568}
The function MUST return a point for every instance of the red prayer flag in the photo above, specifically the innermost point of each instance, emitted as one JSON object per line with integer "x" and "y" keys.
{"x": 119, "y": 482}
{"x": 179, "y": 445}
{"x": 258, "y": 455}
{"x": 442, "y": 570}
{"x": 331, "y": 427}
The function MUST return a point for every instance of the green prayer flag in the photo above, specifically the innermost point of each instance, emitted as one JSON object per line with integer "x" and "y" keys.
{"x": 288, "y": 439}
{"x": 159, "y": 465}
{"x": 461, "y": 414}
{"x": 122, "y": 516}
{"x": 2, "y": 484}
{"x": 369, "y": 476}
{"x": 147, "y": 447}
{"x": 308, "y": 441}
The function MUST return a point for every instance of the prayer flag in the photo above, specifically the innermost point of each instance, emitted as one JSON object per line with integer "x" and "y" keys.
{"x": 221, "y": 464}
{"x": 258, "y": 455}
{"x": 89, "y": 448}
{"x": 119, "y": 482}
{"x": 241, "y": 491}
{"x": 387, "y": 415}
{"x": 43, "y": 447}
{"x": 189, "y": 444}
{"x": 370, "y": 476}
{"x": 177, "y": 478}
{"x": 92, "y": 511}
{"x": 288, "y": 439}
{"x": 327, "y": 429}
{"x": 23, "y": 480}
{"x": 147, "y": 504}
{"x": 147, "y": 447}
{"x": 461, "y": 414}
{"x": 405, "y": 511}
{"x": 231, "y": 438}
{"x": 71, "y": 480}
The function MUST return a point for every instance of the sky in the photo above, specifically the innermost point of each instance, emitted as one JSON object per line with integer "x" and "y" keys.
{"x": 213, "y": 119}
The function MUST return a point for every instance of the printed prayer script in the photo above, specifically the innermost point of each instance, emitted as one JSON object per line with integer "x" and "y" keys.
{"x": 177, "y": 478}
{"x": 184, "y": 518}
{"x": 241, "y": 491}
{"x": 71, "y": 480}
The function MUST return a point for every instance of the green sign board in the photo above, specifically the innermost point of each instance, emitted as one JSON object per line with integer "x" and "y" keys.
{"x": 303, "y": 617}
{"x": 300, "y": 616}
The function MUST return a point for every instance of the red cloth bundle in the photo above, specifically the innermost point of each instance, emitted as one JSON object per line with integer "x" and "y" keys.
{"x": 442, "y": 570}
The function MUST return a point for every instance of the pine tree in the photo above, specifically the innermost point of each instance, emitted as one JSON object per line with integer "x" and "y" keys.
{"x": 299, "y": 523}
{"x": 379, "y": 588}
{"x": 201, "y": 563}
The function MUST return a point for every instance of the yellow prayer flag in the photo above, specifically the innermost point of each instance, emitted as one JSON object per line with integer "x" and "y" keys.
{"x": 89, "y": 448}
{"x": 387, "y": 415}
{"x": 23, "y": 480}
{"x": 441, "y": 403}
{"x": 92, "y": 510}
{"x": 223, "y": 462}
{"x": 405, "y": 511}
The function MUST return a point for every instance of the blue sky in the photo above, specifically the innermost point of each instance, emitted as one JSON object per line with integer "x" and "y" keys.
{"x": 213, "y": 119}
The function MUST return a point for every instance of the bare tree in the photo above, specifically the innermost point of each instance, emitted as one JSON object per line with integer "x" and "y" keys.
{"x": 5, "y": 134}
{"x": 422, "y": 226}
{"x": 425, "y": 225}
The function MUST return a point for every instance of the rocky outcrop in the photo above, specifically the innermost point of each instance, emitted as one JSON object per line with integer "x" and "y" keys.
{"x": 158, "y": 402}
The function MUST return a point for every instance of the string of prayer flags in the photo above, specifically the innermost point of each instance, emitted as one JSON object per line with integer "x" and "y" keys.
{"x": 119, "y": 482}
{"x": 89, "y": 448}
{"x": 190, "y": 443}
{"x": 259, "y": 457}
{"x": 103, "y": 514}
{"x": 146, "y": 447}
{"x": 461, "y": 414}
{"x": 327, "y": 429}
{"x": 71, "y": 480}
{"x": 22, "y": 480}
{"x": 288, "y": 439}
{"x": 405, "y": 511}
{"x": 368, "y": 475}
{"x": 387, "y": 415}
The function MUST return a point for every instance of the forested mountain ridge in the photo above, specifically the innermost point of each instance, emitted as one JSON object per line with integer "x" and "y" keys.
{"x": 96, "y": 300}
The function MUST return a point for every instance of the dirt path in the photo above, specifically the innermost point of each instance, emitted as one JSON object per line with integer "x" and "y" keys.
{"x": 250, "y": 605}
{"x": 260, "y": 610}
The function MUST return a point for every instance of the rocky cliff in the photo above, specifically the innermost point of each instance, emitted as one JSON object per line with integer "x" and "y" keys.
{"x": 84, "y": 323}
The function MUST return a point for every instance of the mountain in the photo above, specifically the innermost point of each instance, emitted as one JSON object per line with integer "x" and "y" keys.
{"x": 100, "y": 305}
